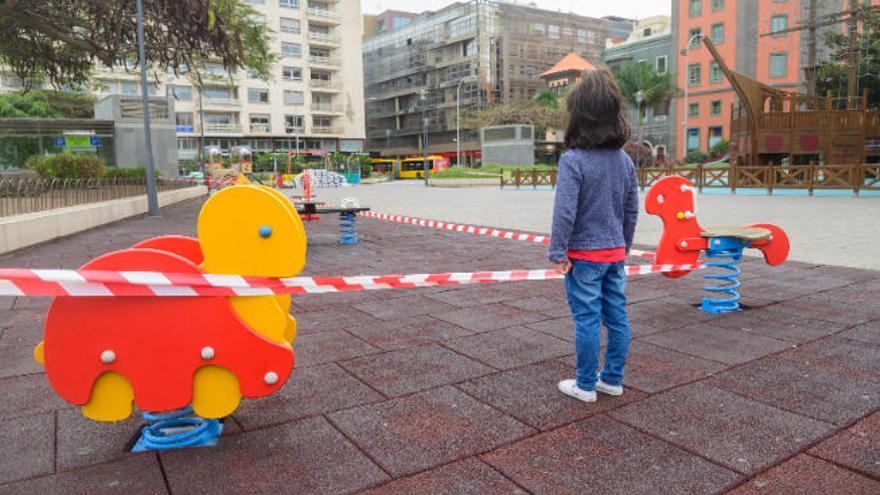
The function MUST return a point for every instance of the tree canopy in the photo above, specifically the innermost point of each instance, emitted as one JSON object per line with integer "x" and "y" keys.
{"x": 657, "y": 89}
{"x": 833, "y": 73}
{"x": 46, "y": 104}
{"x": 541, "y": 116}
{"x": 62, "y": 40}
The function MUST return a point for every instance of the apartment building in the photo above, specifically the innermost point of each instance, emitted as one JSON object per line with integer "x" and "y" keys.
{"x": 649, "y": 43}
{"x": 742, "y": 31}
{"x": 461, "y": 58}
{"x": 312, "y": 101}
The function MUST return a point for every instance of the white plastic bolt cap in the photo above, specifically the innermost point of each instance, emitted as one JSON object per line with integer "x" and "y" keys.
{"x": 684, "y": 244}
{"x": 661, "y": 198}
{"x": 108, "y": 357}
{"x": 689, "y": 214}
{"x": 271, "y": 378}
{"x": 207, "y": 353}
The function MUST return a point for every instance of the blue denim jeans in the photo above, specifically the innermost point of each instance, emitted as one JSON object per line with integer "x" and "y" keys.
{"x": 596, "y": 295}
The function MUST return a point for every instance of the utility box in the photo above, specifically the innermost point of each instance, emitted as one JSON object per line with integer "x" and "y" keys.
{"x": 508, "y": 145}
{"x": 127, "y": 114}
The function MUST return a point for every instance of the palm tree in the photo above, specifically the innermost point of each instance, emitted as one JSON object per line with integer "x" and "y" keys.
{"x": 643, "y": 88}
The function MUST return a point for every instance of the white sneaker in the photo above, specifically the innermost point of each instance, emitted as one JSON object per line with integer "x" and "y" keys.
{"x": 570, "y": 388}
{"x": 609, "y": 389}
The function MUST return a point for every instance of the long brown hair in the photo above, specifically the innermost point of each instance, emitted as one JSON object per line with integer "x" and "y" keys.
{"x": 596, "y": 113}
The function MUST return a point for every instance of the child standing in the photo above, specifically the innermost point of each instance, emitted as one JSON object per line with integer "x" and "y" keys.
{"x": 594, "y": 219}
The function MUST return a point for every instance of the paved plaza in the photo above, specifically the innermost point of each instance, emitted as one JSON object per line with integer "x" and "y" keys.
{"x": 840, "y": 230}
{"x": 453, "y": 390}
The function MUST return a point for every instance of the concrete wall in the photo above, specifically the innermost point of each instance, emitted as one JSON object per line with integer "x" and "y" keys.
{"x": 508, "y": 145}
{"x": 129, "y": 140}
{"x": 21, "y": 231}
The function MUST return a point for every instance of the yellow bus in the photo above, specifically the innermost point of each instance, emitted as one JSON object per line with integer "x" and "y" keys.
{"x": 414, "y": 168}
{"x": 384, "y": 165}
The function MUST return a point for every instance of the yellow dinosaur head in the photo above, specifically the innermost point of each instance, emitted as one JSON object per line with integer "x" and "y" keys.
{"x": 251, "y": 230}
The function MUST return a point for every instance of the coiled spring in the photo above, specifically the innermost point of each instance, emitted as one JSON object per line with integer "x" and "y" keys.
{"x": 724, "y": 253}
{"x": 176, "y": 430}
{"x": 347, "y": 228}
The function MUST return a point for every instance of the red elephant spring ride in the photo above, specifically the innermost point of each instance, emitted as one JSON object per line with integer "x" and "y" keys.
{"x": 673, "y": 200}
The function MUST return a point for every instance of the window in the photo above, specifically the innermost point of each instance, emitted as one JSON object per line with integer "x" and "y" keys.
{"x": 293, "y": 98}
{"x": 184, "y": 119}
{"x": 716, "y": 135}
{"x": 219, "y": 94}
{"x": 693, "y": 139}
{"x": 778, "y": 64}
{"x": 257, "y": 2}
{"x": 646, "y": 32}
{"x": 715, "y": 75}
{"x": 716, "y": 107}
{"x": 182, "y": 93}
{"x": 129, "y": 88}
{"x": 696, "y": 8}
{"x": 694, "y": 32}
{"x": 694, "y": 110}
{"x": 581, "y": 35}
{"x": 661, "y": 64}
{"x": 718, "y": 33}
{"x": 291, "y": 4}
{"x": 694, "y": 75}
{"x": 778, "y": 23}
{"x": 290, "y": 25}
{"x": 661, "y": 110}
{"x": 258, "y": 95}
{"x": 291, "y": 73}
{"x": 293, "y": 123}
{"x": 717, "y": 5}
{"x": 537, "y": 28}
{"x": 567, "y": 31}
{"x": 322, "y": 122}
{"x": 291, "y": 49}
{"x": 260, "y": 124}
{"x": 553, "y": 31}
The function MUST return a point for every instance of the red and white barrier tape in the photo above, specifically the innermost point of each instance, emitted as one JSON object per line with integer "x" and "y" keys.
{"x": 83, "y": 283}
{"x": 470, "y": 229}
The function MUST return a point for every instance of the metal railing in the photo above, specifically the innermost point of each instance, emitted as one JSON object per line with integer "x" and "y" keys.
{"x": 323, "y": 38}
{"x": 324, "y": 131}
{"x": 19, "y": 195}
{"x": 326, "y": 108}
{"x": 323, "y": 15}
{"x": 321, "y": 60}
{"x": 224, "y": 128}
{"x": 323, "y": 83}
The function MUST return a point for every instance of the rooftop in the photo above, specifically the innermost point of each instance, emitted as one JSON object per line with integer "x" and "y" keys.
{"x": 569, "y": 63}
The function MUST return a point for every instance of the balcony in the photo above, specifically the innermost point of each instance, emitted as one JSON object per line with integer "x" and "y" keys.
{"x": 222, "y": 102}
{"x": 292, "y": 129}
{"x": 324, "y": 84}
{"x": 324, "y": 61}
{"x": 326, "y": 108}
{"x": 325, "y": 130}
{"x": 317, "y": 38}
{"x": 260, "y": 129}
{"x": 322, "y": 15}
{"x": 223, "y": 128}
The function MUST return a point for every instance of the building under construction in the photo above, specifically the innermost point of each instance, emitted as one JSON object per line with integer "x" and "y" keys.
{"x": 470, "y": 54}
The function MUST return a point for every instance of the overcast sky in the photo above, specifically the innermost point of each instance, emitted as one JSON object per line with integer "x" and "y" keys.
{"x": 637, "y": 9}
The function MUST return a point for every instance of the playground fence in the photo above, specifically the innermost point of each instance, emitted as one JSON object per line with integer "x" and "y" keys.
{"x": 19, "y": 195}
{"x": 856, "y": 178}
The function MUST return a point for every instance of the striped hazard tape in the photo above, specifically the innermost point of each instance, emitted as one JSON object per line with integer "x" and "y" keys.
{"x": 471, "y": 229}
{"x": 91, "y": 283}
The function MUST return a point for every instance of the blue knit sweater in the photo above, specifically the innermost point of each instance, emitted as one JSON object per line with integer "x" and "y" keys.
{"x": 597, "y": 202}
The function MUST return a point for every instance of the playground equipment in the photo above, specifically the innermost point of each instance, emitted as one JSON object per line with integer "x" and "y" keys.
{"x": 673, "y": 200}
{"x": 241, "y": 160}
{"x": 167, "y": 353}
{"x": 214, "y": 160}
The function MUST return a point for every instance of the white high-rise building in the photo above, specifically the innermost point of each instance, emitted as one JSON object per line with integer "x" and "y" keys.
{"x": 314, "y": 98}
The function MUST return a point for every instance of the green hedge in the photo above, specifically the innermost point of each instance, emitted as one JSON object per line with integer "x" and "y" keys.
{"x": 128, "y": 173}
{"x": 66, "y": 166}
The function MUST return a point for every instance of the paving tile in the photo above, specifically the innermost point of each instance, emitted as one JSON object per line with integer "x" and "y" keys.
{"x": 600, "y": 455}
{"x": 318, "y": 302}
{"x": 488, "y": 317}
{"x": 408, "y": 332}
{"x": 393, "y": 309}
{"x": 805, "y": 474}
{"x": 470, "y": 296}
{"x": 860, "y": 293}
{"x": 666, "y": 313}
{"x": 717, "y": 344}
{"x": 554, "y": 307}
{"x": 740, "y": 433}
{"x": 139, "y": 474}
{"x": 307, "y": 456}
{"x": 823, "y": 309}
{"x": 510, "y": 347}
{"x": 652, "y": 368}
{"x": 857, "y": 447}
{"x": 18, "y": 360}
{"x": 24, "y": 328}
{"x": 82, "y": 442}
{"x": 28, "y": 395}
{"x": 530, "y": 394}
{"x": 6, "y": 302}
{"x": 327, "y": 320}
{"x": 562, "y": 328}
{"x": 414, "y": 369}
{"x": 868, "y": 333}
{"x": 27, "y": 447}
{"x": 309, "y": 391}
{"x": 803, "y": 389}
{"x": 417, "y": 432}
{"x": 467, "y": 477}
{"x": 787, "y": 326}
{"x": 852, "y": 359}
{"x": 329, "y": 346}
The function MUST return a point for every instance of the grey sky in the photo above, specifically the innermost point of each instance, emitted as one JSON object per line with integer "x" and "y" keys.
{"x": 638, "y": 9}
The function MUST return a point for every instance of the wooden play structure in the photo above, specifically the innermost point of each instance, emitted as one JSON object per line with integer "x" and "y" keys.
{"x": 770, "y": 126}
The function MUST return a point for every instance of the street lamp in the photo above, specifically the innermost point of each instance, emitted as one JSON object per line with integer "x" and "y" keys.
{"x": 685, "y": 51}
{"x": 640, "y": 97}
{"x": 152, "y": 195}
{"x": 458, "y": 120}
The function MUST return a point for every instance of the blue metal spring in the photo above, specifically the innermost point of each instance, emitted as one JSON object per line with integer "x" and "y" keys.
{"x": 176, "y": 430}
{"x": 730, "y": 248}
{"x": 348, "y": 228}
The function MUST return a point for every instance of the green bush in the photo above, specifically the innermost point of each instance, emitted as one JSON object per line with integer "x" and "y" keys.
{"x": 184, "y": 167}
{"x": 128, "y": 173}
{"x": 695, "y": 156}
{"x": 66, "y": 166}
{"x": 720, "y": 149}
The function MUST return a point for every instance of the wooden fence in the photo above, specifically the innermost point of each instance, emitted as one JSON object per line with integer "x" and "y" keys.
{"x": 773, "y": 177}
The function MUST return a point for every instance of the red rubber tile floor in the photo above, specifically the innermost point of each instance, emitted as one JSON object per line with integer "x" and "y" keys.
{"x": 453, "y": 390}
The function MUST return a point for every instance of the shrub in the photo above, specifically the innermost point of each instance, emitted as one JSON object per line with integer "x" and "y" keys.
{"x": 720, "y": 149}
{"x": 66, "y": 166}
{"x": 128, "y": 173}
{"x": 184, "y": 167}
{"x": 695, "y": 156}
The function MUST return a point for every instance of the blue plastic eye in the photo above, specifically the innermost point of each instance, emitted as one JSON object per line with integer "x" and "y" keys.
{"x": 265, "y": 231}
